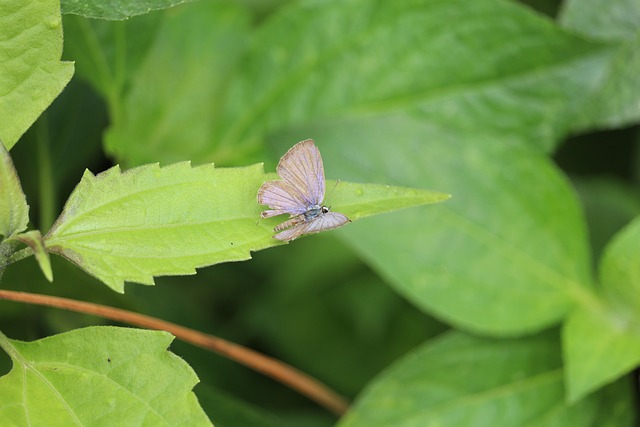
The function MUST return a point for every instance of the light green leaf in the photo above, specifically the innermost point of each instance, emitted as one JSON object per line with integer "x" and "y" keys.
{"x": 613, "y": 20}
{"x": 33, "y": 238}
{"x": 98, "y": 376}
{"x": 506, "y": 255}
{"x": 340, "y": 59}
{"x": 170, "y": 110}
{"x": 458, "y": 380}
{"x": 603, "y": 343}
{"x": 153, "y": 221}
{"x": 616, "y": 102}
{"x": 32, "y": 74}
{"x": 14, "y": 211}
{"x": 115, "y": 9}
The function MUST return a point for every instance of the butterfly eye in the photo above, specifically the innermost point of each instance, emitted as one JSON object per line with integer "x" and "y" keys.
{"x": 325, "y": 209}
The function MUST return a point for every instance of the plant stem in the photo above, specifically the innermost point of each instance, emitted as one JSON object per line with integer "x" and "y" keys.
{"x": 268, "y": 366}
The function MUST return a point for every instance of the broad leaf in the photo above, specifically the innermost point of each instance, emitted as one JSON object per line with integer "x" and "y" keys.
{"x": 98, "y": 376}
{"x": 153, "y": 221}
{"x": 32, "y": 74}
{"x": 357, "y": 57}
{"x": 507, "y": 254}
{"x": 115, "y": 9}
{"x": 613, "y": 20}
{"x": 602, "y": 342}
{"x": 14, "y": 211}
{"x": 617, "y": 101}
{"x": 458, "y": 380}
{"x": 178, "y": 89}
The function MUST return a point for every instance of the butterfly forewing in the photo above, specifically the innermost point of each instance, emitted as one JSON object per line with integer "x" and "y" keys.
{"x": 282, "y": 198}
{"x": 302, "y": 167}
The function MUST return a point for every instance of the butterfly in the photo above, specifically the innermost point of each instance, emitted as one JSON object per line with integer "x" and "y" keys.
{"x": 300, "y": 194}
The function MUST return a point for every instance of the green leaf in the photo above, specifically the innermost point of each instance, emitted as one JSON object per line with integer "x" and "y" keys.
{"x": 102, "y": 58}
{"x": 340, "y": 59}
{"x": 616, "y": 102}
{"x": 98, "y": 376}
{"x": 153, "y": 221}
{"x": 506, "y": 255}
{"x": 33, "y": 238}
{"x": 32, "y": 74}
{"x": 115, "y": 9}
{"x": 174, "y": 118}
{"x": 602, "y": 343}
{"x": 14, "y": 211}
{"x": 614, "y": 20}
{"x": 459, "y": 380}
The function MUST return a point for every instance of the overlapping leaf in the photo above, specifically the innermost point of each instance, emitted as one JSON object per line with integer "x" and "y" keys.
{"x": 461, "y": 381}
{"x": 32, "y": 74}
{"x": 115, "y": 9}
{"x": 14, "y": 211}
{"x": 98, "y": 376}
{"x": 507, "y": 254}
{"x": 153, "y": 221}
{"x": 602, "y": 341}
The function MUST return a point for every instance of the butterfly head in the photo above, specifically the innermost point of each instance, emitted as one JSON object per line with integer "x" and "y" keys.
{"x": 325, "y": 209}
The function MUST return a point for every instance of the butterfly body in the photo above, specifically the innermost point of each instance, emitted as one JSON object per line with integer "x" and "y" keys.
{"x": 300, "y": 194}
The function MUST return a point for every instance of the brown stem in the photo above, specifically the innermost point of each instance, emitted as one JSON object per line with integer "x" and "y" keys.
{"x": 270, "y": 367}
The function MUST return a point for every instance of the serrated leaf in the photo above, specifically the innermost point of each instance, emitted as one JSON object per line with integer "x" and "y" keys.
{"x": 115, "y": 9}
{"x": 98, "y": 376}
{"x": 34, "y": 240}
{"x": 14, "y": 211}
{"x": 152, "y": 221}
{"x": 458, "y": 380}
{"x": 602, "y": 343}
{"x": 506, "y": 255}
{"x": 32, "y": 74}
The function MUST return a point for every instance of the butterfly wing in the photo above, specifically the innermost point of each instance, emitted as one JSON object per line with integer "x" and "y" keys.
{"x": 320, "y": 223}
{"x": 282, "y": 198}
{"x": 302, "y": 168}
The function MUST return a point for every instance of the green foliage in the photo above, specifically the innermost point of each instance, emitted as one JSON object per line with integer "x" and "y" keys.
{"x": 152, "y": 221}
{"x": 115, "y": 9}
{"x": 474, "y": 99}
{"x": 14, "y": 211}
{"x": 58, "y": 380}
{"x": 32, "y": 74}
{"x": 460, "y": 380}
{"x": 601, "y": 343}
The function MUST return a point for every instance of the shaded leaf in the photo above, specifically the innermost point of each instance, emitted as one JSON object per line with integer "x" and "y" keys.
{"x": 506, "y": 255}
{"x": 602, "y": 342}
{"x": 98, "y": 376}
{"x": 14, "y": 211}
{"x": 458, "y": 380}
{"x": 179, "y": 88}
{"x": 153, "y": 221}
{"x": 115, "y": 9}
{"x": 32, "y": 74}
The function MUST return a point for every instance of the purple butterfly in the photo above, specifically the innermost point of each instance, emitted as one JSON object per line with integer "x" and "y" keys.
{"x": 300, "y": 194}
